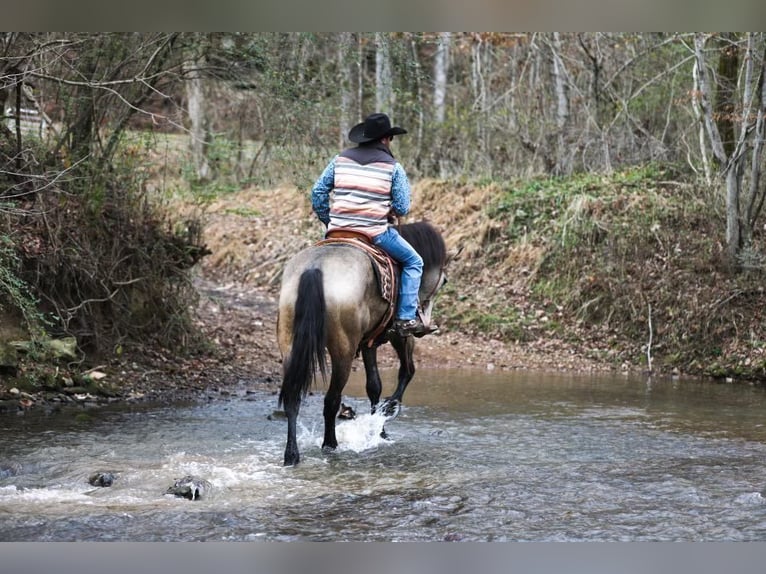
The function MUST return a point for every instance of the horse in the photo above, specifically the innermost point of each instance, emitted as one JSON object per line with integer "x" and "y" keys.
{"x": 330, "y": 302}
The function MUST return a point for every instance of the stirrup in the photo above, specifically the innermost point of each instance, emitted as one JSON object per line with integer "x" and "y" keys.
{"x": 409, "y": 327}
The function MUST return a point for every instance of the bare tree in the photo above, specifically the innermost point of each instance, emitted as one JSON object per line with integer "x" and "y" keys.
{"x": 197, "y": 106}
{"x": 90, "y": 81}
{"x": 383, "y": 81}
{"x": 345, "y": 49}
{"x": 441, "y": 67}
{"x": 560, "y": 82}
{"x": 561, "y": 88}
{"x": 742, "y": 205}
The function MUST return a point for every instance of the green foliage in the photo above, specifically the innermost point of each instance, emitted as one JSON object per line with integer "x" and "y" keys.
{"x": 15, "y": 294}
{"x": 105, "y": 260}
{"x": 663, "y": 76}
{"x": 568, "y": 208}
{"x": 501, "y": 320}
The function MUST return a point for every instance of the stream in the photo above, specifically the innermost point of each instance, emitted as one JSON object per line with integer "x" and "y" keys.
{"x": 473, "y": 455}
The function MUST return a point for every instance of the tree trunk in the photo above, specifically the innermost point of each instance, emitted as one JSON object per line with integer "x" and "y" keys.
{"x": 360, "y": 80}
{"x": 697, "y": 108}
{"x": 560, "y": 83}
{"x": 756, "y": 195}
{"x": 561, "y": 88}
{"x": 595, "y": 83}
{"x": 730, "y": 171}
{"x": 80, "y": 132}
{"x": 479, "y": 52}
{"x": 733, "y": 231}
{"x": 197, "y": 109}
{"x": 441, "y": 67}
{"x": 754, "y": 109}
{"x": 704, "y": 100}
{"x": 383, "y": 82}
{"x": 419, "y": 99}
{"x": 345, "y": 45}
{"x": 725, "y": 109}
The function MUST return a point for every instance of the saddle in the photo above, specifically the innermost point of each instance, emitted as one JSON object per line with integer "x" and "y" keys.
{"x": 385, "y": 269}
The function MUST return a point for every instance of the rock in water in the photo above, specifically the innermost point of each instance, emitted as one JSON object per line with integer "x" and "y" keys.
{"x": 190, "y": 487}
{"x": 102, "y": 479}
{"x": 9, "y": 469}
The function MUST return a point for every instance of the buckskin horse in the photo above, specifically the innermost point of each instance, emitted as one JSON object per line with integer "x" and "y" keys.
{"x": 331, "y": 302}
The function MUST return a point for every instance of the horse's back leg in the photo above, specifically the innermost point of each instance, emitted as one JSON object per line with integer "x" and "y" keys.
{"x": 373, "y": 383}
{"x": 292, "y": 456}
{"x": 341, "y": 369}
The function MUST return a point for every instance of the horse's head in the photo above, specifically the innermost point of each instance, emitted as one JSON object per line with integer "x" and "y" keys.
{"x": 429, "y": 243}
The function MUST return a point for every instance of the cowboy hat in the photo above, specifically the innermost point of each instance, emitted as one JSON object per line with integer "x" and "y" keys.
{"x": 373, "y": 128}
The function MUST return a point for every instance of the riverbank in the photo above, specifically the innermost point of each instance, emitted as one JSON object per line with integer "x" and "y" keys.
{"x": 239, "y": 320}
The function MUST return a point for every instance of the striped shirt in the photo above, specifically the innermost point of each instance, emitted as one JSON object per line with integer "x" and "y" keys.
{"x": 359, "y": 196}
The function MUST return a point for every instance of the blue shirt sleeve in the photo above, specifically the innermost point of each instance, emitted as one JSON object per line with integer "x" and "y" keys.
{"x": 320, "y": 193}
{"x": 400, "y": 191}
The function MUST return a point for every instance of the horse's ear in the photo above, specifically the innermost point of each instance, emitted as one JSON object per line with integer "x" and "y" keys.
{"x": 453, "y": 254}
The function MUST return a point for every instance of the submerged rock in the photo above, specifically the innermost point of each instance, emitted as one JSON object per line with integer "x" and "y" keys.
{"x": 9, "y": 469}
{"x": 190, "y": 487}
{"x": 102, "y": 479}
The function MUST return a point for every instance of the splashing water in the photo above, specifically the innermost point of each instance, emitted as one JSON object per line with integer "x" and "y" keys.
{"x": 356, "y": 435}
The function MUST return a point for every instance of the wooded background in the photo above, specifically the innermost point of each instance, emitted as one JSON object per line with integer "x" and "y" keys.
{"x": 261, "y": 109}
{"x": 478, "y": 105}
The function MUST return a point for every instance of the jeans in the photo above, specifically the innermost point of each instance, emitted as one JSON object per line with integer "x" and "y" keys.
{"x": 412, "y": 270}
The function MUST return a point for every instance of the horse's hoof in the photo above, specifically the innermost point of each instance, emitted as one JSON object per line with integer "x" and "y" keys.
{"x": 346, "y": 412}
{"x": 390, "y": 409}
{"x": 292, "y": 457}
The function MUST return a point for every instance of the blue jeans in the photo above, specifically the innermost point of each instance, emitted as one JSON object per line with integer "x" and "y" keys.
{"x": 412, "y": 270}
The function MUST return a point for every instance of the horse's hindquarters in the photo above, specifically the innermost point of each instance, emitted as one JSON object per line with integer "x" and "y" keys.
{"x": 354, "y": 305}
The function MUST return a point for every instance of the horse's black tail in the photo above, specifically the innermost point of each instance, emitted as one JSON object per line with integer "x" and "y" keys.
{"x": 307, "y": 353}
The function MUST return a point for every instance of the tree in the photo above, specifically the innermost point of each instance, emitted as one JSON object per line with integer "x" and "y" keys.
{"x": 103, "y": 263}
{"x": 197, "y": 105}
{"x": 441, "y": 67}
{"x": 561, "y": 89}
{"x": 383, "y": 80}
{"x": 747, "y": 111}
{"x": 346, "y": 84}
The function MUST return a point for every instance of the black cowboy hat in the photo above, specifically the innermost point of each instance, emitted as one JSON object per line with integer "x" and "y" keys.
{"x": 373, "y": 128}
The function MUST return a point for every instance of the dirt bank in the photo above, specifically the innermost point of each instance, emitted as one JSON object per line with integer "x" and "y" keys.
{"x": 253, "y": 232}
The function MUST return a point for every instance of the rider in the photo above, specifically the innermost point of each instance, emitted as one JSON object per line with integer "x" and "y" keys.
{"x": 368, "y": 188}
